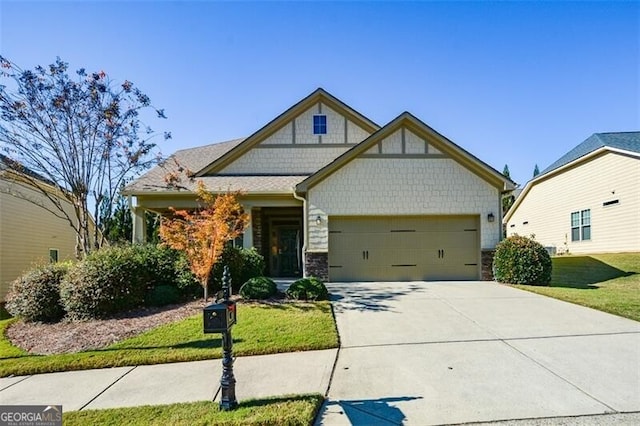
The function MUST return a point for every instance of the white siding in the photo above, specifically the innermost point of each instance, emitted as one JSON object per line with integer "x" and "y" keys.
{"x": 548, "y": 205}
{"x": 402, "y": 186}
{"x": 27, "y": 232}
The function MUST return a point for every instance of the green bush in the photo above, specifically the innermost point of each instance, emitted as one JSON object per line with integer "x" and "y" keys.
{"x": 108, "y": 281}
{"x": 164, "y": 266}
{"x": 243, "y": 265}
{"x": 521, "y": 260}
{"x": 258, "y": 288}
{"x": 162, "y": 295}
{"x": 35, "y": 296}
{"x": 308, "y": 289}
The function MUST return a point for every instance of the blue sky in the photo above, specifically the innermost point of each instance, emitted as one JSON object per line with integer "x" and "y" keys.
{"x": 517, "y": 83}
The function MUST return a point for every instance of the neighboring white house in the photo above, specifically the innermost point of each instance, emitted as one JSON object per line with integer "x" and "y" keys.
{"x": 334, "y": 195}
{"x": 586, "y": 202}
{"x": 28, "y": 233}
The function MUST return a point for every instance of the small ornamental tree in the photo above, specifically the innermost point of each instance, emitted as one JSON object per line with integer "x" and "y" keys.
{"x": 201, "y": 234}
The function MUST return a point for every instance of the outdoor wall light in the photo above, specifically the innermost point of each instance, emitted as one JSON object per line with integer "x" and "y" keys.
{"x": 318, "y": 220}
{"x": 491, "y": 217}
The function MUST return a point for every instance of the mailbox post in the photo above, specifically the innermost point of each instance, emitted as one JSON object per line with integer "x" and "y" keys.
{"x": 219, "y": 317}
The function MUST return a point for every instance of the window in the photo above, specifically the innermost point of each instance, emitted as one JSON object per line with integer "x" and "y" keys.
{"x": 53, "y": 255}
{"x": 581, "y": 225}
{"x": 319, "y": 124}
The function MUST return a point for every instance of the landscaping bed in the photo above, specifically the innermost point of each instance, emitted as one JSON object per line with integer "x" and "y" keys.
{"x": 172, "y": 335}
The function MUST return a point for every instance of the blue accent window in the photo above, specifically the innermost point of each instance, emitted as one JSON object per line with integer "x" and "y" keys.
{"x": 319, "y": 124}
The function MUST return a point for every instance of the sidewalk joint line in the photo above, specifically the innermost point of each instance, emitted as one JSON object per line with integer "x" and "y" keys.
{"x": 107, "y": 388}
{"x": 19, "y": 381}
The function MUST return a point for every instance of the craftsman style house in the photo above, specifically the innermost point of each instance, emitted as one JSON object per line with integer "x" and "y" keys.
{"x": 334, "y": 195}
{"x": 588, "y": 201}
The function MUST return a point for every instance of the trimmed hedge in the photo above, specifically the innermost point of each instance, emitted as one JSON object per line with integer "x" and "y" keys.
{"x": 310, "y": 288}
{"x": 162, "y": 295}
{"x": 107, "y": 281}
{"x": 258, "y": 288}
{"x": 521, "y": 260}
{"x": 35, "y": 296}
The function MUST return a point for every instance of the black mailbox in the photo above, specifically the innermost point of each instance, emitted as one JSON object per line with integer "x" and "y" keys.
{"x": 219, "y": 317}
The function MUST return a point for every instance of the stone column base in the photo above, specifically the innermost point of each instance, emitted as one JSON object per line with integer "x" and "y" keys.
{"x": 317, "y": 265}
{"x": 487, "y": 265}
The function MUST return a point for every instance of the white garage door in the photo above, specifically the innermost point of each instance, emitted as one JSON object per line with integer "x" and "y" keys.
{"x": 404, "y": 248}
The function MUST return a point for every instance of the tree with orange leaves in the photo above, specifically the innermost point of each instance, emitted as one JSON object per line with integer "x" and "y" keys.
{"x": 202, "y": 233}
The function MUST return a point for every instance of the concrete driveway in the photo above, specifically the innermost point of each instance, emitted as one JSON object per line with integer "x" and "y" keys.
{"x": 455, "y": 352}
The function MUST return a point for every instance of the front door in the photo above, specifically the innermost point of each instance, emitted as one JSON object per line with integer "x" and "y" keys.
{"x": 285, "y": 262}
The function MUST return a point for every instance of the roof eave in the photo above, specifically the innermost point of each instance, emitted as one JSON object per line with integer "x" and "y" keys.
{"x": 318, "y": 95}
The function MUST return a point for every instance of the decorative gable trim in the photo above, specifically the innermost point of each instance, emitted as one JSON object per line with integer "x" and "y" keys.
{"x": 318, "y": 97}
{"x": 443, "y": 148}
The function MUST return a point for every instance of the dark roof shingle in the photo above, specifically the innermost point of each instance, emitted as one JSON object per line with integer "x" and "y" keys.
{"x": 627, "y": 141}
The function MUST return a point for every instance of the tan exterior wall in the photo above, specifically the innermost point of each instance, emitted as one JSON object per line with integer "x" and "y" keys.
{"x": 294, "y": 149}
{"x": 27, "y": 233}
{"x": 402, "y": 186}
{"x": 295, "y": 160}
{"x": 547, "y": 207}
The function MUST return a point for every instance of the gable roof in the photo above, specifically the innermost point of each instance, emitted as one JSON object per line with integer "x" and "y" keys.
{"x": 622, "y": 142}
{"x": 414, "y": 124}
{"x": 625, "y": 141}
{"x": 7, "y": 163}
{"x": 319, "y": 95}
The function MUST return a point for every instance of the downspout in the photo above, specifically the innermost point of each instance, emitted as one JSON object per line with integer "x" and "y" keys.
{"x": 133, "y": 219}
{"x": 305, "y": 230}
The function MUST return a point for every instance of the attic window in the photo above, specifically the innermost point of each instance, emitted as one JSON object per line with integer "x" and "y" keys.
{"x": 319, "y": 124}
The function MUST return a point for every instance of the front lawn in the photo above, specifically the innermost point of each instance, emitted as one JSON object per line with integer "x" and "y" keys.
{"x": 290, "y": 410}
{"x": 261, "y": 329}
{"x": 607, "y": 282}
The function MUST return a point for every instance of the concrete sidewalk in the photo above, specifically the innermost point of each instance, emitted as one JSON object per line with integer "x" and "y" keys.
{"x": 256, "y": 376}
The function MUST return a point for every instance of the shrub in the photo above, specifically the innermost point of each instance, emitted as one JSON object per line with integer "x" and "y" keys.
{"x": 162, "y": 295}
{"x": 308, "y": 289}
{"x": 185, "y": 280}
{"x": 164, "y": 266}
{"x": 243, "y": 265}
{"x": 521, "y": 260}
{"x": 258, "y": 288}
{"x": 108, "y": 281}
{"x": 35, "y": 296}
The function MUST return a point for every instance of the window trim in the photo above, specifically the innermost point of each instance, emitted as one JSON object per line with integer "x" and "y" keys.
{"x": 581, "y": 225}
{"x": 319, "y": 124}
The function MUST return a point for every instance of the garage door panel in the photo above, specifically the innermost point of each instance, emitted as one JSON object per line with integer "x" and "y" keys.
{"x": 403, "y": 248}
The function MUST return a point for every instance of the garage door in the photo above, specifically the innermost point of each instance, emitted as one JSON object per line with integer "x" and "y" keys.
{"x": 404, "y": 248}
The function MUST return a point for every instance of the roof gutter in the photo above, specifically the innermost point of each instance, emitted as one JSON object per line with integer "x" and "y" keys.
{"x": 305, "y": 230}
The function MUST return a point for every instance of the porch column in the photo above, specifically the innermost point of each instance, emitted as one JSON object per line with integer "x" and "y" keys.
{"x": 247, "y": 239}
{"x": 139, "y": 225}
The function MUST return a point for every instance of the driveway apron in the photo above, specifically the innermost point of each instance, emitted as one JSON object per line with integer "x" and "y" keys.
{"x": 454, "y": 352}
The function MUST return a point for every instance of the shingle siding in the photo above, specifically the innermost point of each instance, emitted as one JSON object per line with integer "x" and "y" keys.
{"x": 402, "y": 186}
{"x": 548, "y": 205}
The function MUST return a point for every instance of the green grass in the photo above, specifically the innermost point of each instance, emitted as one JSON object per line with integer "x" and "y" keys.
{"x": 261, "y": 329}
{"x": 607, "y": 282}
{"x": 288, "y": 410}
